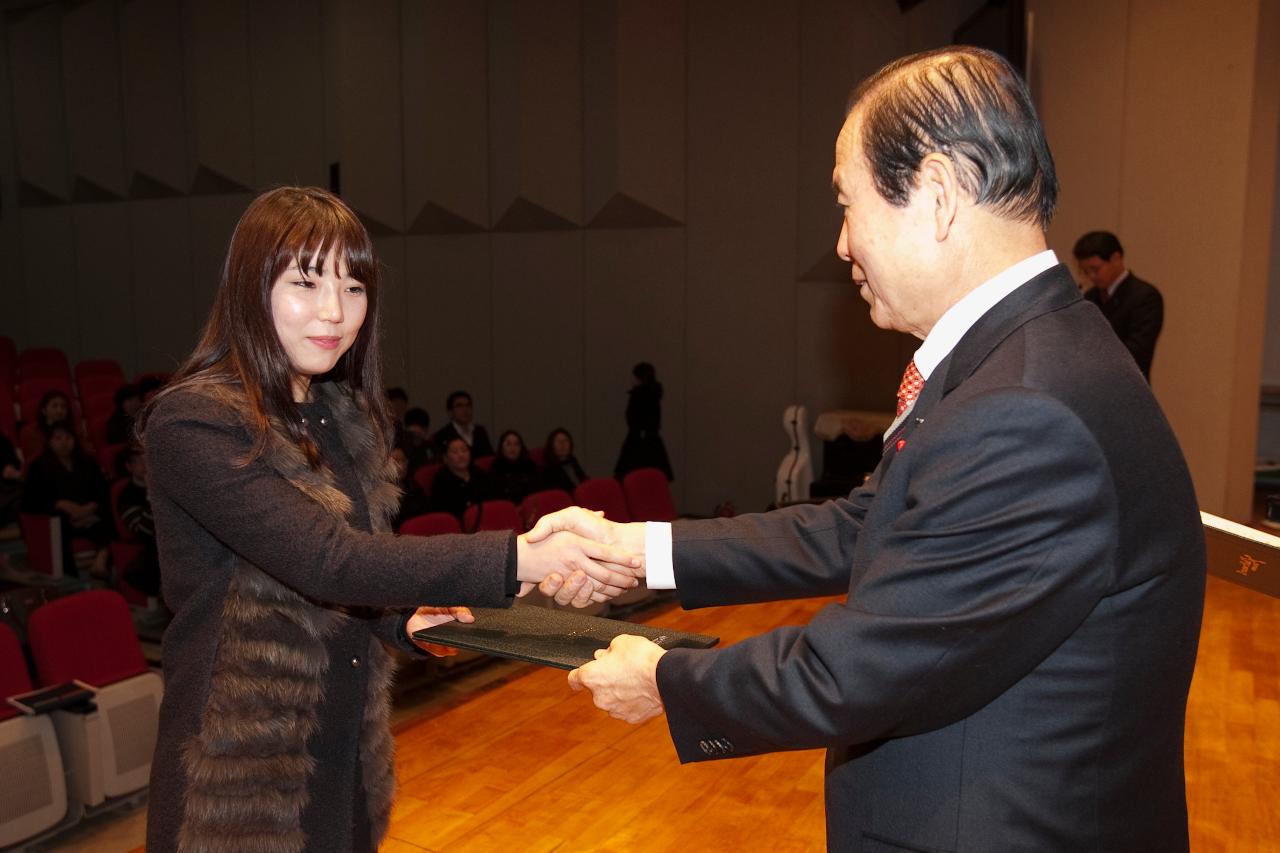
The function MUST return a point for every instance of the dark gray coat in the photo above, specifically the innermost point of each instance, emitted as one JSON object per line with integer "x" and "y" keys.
{"x": 1025, "y": 579}
{"x": 273, "y": 733}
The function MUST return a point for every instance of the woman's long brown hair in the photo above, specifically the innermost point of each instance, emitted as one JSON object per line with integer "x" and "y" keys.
{"x": 239, "y": 345}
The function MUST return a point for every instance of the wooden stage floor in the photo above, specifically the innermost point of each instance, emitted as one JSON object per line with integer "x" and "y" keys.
{"x": 524, "y": 764}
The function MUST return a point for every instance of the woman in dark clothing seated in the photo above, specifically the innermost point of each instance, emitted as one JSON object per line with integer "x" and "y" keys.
{"x": 513, "y": 475}
{"x": 560, "y": 468}
{"x": 459, "y": 484}
{"x": 413, "y": 501}
{"x": 54, "y": 408}
{"x": 64, "y": 481}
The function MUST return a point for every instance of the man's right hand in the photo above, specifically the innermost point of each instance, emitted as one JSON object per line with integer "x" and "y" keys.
{"x": 591, "y": 525}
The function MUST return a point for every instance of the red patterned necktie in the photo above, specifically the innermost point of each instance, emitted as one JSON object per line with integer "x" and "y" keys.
{"x": 912, "y": 382}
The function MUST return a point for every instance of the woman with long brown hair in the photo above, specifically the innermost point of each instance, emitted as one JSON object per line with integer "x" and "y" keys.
{"x": 271, "y": 488}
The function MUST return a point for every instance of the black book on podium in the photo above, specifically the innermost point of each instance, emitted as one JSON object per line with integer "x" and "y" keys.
{"x": 558, "y": 638}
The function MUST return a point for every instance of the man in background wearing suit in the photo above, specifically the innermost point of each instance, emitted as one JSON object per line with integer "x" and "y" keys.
{"x": 1133, "y": 307}
{"x": 462, "y": 424}
{"x": 1025, "y": 568}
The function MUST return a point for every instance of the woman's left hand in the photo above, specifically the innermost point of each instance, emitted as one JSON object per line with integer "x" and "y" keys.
{"x": 428, "y": 617}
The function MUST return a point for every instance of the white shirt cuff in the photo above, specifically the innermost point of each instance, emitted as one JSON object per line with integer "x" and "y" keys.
{"x": 659, "y": 569}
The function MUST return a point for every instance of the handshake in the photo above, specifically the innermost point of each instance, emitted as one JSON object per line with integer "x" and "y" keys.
{"x": 578, "y": 557}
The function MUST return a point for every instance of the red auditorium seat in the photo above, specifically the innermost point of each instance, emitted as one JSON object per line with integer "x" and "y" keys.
{"x": 484, "y": 463}
{"x": 43, "y": 361}
{"x": 538, "y": 504}
{"x": 603, "y": 493}
{"x": 99, "y": 368}
{"x": 426, "y": 475}
{"x": 492, "y": 515}
{"x": 89, "y": 637}
{"x": 430, "y": 524}
{"x": 648, "y": 495}
{"x": 34, "y": 797}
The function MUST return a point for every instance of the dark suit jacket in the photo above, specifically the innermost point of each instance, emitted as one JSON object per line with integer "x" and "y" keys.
{"x": 1025, "y": 579}
{"x": 480, "y": 445}
{"x": 1136, "y": 312}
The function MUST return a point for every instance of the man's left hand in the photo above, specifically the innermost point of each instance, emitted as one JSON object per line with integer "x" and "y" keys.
{"x": 623, "y": 679}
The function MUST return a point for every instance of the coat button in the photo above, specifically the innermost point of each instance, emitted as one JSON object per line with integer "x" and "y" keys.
{"x": 706, "y": 748}
{"x": 355, "y": 661}
{"x": 324, "y": 422}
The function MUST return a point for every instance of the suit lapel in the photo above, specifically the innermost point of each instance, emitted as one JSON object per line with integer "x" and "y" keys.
{"x": 1052, "y": 290}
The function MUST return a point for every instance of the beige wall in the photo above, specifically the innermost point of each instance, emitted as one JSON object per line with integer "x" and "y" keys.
{"x": 1162, "y": 116}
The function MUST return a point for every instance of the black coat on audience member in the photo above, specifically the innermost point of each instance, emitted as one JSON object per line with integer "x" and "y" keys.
{"x": 566, "y": 474}
{"x": 452, "y": 494}
{"x": 643, "y": 446}
{"x": 514, "y": 479}
{"x": 49, "y": 481}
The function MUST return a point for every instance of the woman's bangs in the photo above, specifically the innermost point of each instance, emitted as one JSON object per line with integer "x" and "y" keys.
{"x": 310, "y": 244}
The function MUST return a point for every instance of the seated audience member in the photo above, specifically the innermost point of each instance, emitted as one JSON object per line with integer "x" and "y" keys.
{"x": 560, "y": 468}
{"x": 54, "y": 408}
{"x": 513, "y": 475}
{"x": 458, "y": 484}
{"x": 462, "y": 425}
{"x": 128, "y": 400}
{"x": 10, "y": 482}
{"x": 134, "y": 507}
{"x": 64, "y": 481}
{"x": 415, "y": 440}
{"x": 413, "y": 501}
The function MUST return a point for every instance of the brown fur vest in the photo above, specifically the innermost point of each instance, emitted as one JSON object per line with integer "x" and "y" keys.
{"x": 248, "y": 767}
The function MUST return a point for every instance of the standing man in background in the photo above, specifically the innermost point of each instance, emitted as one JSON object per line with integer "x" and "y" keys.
{"x": 1133, "y": 307}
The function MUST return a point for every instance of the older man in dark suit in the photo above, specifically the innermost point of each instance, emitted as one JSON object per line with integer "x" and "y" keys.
{"x": 1133, "y": 307}
{"x": 1024, "y": 570}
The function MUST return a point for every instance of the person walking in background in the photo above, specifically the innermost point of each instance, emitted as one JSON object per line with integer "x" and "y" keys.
{"x": 643, "y": 447}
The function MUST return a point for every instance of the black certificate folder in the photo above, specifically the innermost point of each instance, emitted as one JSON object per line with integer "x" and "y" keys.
{"x": 559, "y": 638}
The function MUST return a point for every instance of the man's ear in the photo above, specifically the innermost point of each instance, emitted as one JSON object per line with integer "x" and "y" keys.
{"x": 937, "y": 180}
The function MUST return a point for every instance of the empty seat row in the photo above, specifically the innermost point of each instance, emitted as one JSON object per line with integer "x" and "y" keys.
{"x": 85, "y": 758}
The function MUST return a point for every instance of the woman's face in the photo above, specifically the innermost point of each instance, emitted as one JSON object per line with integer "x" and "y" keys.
{"x": 562, "y": 446}
{"x": 317, "y": 317}
{"x": 511, "y": 447}
{"x": 56, "y": 410}
{"x": 457, "y": 456}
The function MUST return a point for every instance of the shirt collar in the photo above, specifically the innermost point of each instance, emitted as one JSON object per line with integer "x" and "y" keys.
{"x": 1111, "y": 291}
{"x": 959, "y": 318}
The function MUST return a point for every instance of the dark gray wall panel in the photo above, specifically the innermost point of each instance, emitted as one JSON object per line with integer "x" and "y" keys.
{"x": 155, "y": 118}
{"x": 213, "y": 218}
{"x": 48, "y": 278}
{"x": 634, "y": 311}
{"x": 844, "y": 42}
{"x": 103, "y": 283}
{"x": 538, "y": 335}
{"x": 220, "y": 130}
{"x": 634, "y": 108}
{"x": 287, "y": 99}
{"x": 742, "y": 225}
{"x": 396, "y": 327}
{"x": 95, "y": 109}
{"x": 449, "y": 309}
{"x": 162, "y": 289}
{"x": 13, "y": 321}
{"x": 35, "y": 45}
{"x": 535, "y": 112}
{"x": 446, "y": 115}
{"x": 365, "y": 114}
